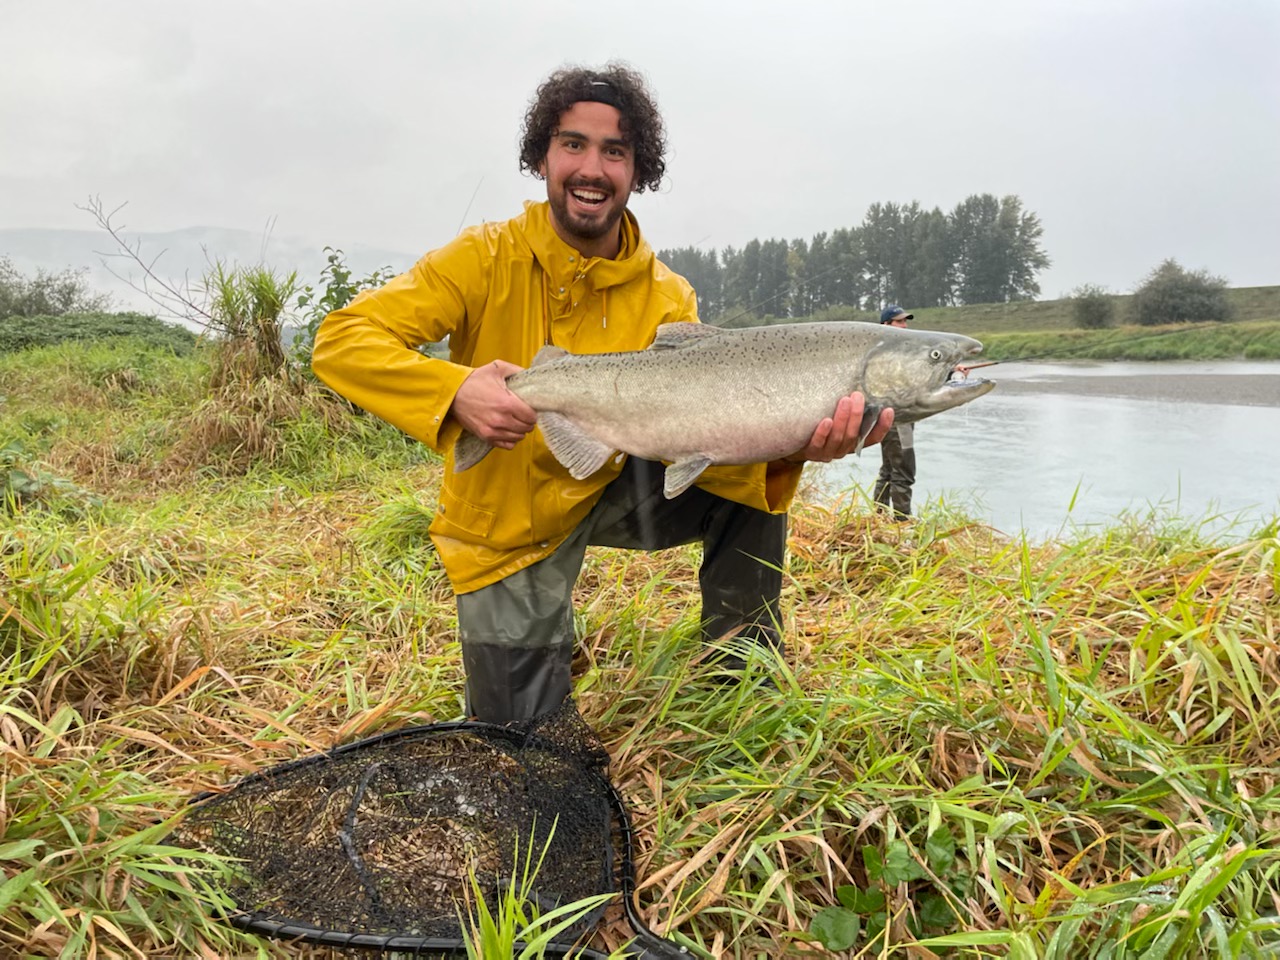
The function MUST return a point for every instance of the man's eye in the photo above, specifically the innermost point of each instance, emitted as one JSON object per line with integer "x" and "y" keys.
{"x": 617, "y": 153}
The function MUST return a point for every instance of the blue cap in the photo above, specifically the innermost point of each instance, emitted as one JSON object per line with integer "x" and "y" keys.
{"x": 895, "y": 312}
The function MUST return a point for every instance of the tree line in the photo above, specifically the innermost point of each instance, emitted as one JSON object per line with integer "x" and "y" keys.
{"x": 986, "y": 250}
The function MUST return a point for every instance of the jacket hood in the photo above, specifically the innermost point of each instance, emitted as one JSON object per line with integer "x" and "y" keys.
{"x": 633, "y": 260}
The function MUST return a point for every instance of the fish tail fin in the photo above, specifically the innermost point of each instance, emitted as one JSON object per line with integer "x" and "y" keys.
{"x": 468, "y": 450}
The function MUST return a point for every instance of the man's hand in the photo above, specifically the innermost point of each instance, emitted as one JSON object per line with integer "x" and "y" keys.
{"x": 485, "y": 406}
{"x": 837, "y": 435}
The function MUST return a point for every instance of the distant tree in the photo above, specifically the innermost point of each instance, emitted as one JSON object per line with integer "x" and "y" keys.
{"x": 47, "y": 294}
{"x": 741, "y": 277}
{"x": 702, "y": 269}
{"x": 885, "y": 245}
{"x": 997, "y": 250}
{"x": 1092, "y": 306}
{"x": 799, "y": 265}
{"x": 1170, "y": 294}
{"x": 772, "y": 295}
{"x": 848, "y": 282}
{"x": 929, "y": 277}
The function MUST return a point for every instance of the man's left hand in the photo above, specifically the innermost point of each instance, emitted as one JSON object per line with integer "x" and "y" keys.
{"x": 837, "y": 435}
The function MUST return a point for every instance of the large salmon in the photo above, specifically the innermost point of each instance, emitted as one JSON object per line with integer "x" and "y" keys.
{"x": 701, "y": 395}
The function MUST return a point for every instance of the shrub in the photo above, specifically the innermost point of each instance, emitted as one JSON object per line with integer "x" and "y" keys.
{"x": 22, "y": 332}
{"x": 1092, "y": 307}
{"x": 339, "y": 290}
{"x": 1171, "y": 294}
{"x": 46, "y": 294}
{"x": 246, "y": 312}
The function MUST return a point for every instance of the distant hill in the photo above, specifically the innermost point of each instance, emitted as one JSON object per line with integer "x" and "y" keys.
{"x": 182, "y": 254}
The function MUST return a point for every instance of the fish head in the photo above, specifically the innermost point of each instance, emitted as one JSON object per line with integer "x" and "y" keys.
{"x": 915, "y": 372}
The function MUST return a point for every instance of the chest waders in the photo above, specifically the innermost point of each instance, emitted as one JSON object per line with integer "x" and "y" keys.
{"x": 517, "y": 634}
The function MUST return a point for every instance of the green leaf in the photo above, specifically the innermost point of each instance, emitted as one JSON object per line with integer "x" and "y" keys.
{"x": 940, "y": 848}
{"x": 860, "y": 901}
{"x": 936, "y": 912}
{"x": 836, "y": 928}
{"x": 12, "y": 888}
{"x": 900, "y": 866}
{"x": 873, "y": 862}
{"x": 20, "y": 848}
{"x": 875, "y": 925}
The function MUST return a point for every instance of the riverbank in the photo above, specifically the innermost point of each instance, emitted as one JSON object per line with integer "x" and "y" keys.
{"x": 1248, "y": 304}
{"x": 1194, "y": 384}
{"x": 1251, "y": 340}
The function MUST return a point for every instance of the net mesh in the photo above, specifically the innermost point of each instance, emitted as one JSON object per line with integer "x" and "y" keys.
{"x": 378, "y": 837}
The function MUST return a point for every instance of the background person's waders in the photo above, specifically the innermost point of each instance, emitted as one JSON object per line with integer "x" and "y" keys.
{"x": 517, "y": 634}
{"x": 897, "y": 470}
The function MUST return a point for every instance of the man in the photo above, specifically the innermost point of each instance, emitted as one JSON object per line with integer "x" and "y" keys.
{"x": 575, "y": 272}
{"x": 897, "y": 450}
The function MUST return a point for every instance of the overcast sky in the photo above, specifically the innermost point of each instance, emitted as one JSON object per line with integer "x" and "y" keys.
{"x": 1135, "y": 130}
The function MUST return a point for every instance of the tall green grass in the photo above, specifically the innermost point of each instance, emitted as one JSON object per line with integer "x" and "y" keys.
{"x": 976, "y": 745}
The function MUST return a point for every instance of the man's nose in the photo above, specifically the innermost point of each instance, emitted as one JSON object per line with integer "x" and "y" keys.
{"x": 593, "y": 162}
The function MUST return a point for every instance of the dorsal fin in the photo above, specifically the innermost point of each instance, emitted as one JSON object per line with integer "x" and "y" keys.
{"x": 681, "y": 334}
{"x": 547, "y": 354}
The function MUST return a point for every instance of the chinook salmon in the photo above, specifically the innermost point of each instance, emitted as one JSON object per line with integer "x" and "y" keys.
{"x": 702, "y": 395}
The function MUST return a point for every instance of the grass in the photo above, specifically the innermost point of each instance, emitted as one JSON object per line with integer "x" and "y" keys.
{"x": 1252, "y": 340}
{"x": 980, "y": 746}
{"x": 1248, "y": 304}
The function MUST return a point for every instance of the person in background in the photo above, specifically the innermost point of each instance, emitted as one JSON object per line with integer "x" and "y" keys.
{"x": 897, "y": 449}
{"x": 574, "y": 271}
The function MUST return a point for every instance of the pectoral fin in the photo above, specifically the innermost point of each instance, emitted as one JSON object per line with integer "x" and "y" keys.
{"x": 468, "y": 450}
{"x": 681, "y": 475}
{"x": 870, "y": 415}
{"x": 579, "y": 452}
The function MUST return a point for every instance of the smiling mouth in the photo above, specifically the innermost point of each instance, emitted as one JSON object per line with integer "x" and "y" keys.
{"x": 588, "y": 197}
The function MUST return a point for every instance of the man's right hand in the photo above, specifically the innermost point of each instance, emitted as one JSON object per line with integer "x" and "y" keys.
{"x": 485, "y": 406}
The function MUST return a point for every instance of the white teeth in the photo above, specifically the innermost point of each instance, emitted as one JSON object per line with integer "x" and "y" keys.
{"x": 589, "y": 196}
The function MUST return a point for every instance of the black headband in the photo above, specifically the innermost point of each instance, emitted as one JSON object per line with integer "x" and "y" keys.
{"x": 602, "y": 91}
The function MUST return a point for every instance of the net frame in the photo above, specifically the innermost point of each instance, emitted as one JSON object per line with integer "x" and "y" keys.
{"x": 647, "y": 945}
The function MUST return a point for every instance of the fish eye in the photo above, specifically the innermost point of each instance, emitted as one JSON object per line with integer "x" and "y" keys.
{"x": 935, "y": 353}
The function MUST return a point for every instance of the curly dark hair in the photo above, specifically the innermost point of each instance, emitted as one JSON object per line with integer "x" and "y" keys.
{"x": 641, "y": 123}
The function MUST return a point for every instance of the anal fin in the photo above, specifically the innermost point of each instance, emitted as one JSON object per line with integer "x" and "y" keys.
{"x": 681, "y": 475}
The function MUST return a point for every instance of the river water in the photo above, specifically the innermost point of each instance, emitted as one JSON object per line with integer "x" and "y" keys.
{"x": 1061, "y": 448}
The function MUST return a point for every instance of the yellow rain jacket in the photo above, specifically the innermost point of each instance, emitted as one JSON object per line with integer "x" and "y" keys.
{"x": 501, "y": 291}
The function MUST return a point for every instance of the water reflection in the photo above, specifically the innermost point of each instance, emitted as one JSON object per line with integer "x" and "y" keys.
{"x": 1048, "y": 462}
